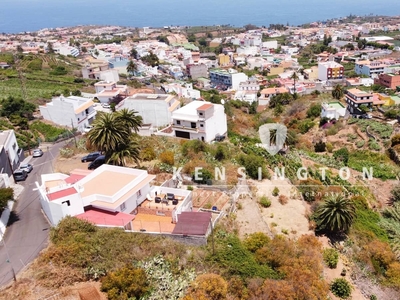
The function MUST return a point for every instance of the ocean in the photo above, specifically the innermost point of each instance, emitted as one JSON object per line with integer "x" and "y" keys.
{"x": 31, "y": 15}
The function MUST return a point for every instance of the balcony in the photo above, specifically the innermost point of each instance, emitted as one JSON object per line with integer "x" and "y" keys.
{"x": 180, "y": 127}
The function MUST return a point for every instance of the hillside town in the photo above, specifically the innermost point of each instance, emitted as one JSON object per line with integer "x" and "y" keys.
{"x": 208, "y": 162}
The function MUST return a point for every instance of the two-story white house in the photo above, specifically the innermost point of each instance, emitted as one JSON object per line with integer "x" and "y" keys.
{"x": 73, "y": 111}
{"x": 200, "y": 120}
{"x": 106, "y": 90}
{"x": 108, "y": 196}
{"x": 155, "y": 109}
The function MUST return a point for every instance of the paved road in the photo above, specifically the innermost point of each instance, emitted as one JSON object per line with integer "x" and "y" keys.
{"x": 28, "y": 235}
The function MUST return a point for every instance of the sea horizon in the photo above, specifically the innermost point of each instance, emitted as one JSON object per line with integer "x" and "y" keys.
{"x": 31, "y": 15}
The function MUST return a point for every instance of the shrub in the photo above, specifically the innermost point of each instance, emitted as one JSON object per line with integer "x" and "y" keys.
{"x": 66, "y": 152}
{"x": 264, "y": 201}
{"x": 275, "y": 191}
{"x": 190, "y": 188}
{"x": 148, "y": 154}
{"x": 391, "y": 114}
{"x": 59, "y": 70}
{"x": 314, "y": 111}
{"x": 305, "y": 125}
{"x": 255, "y": 241}
{"x": 341, "y": 288}
{"x": 283, "y": 199}
{"x": 252, "y": 163}
{"x": 204, "y": 176}
{"x": 6, "y": 194}
{"x": 125, "y": 283}
{"x": 221, "y": 153}
{"x": 167, "y": 157}
{"x": 331, "y": 257}
{"x": 395, "y": 140}
{"x": 342, "y": 155}
{"x": 329, "y": 147}
{"x": 395, "y": 193}
{"x": 373, "y": 297}
{"x": 373, "y": 145}
{"x": 208, "y": 286}
{"x": 320, "y": 147}
{"x": 360, "y": 144}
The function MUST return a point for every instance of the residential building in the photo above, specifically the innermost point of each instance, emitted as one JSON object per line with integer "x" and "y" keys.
{"x": 155, "y": 109}
{"x": 268, "y": 93}
{"x": 355, "y": 98}
{"x": 330, "y": 70}
{"x": 391, "y": 81}
{"x": 224, "y": 79}
{"x": 247, "y": 96}
{"x": 74, "y": 112}
{"x": 333, "y": 110}
{"x": 108, "y": 196}
{"x": 249, "y": 85}
{"x": 10, "y": 153}
{"x": 197, "y": 71}
{"x": 100, "y": 72}
{"x": 376, "y": 67}
{"x": 106, "y": 90}
{"x": 200, "y": 120}
{"x": 182, "y": 89}
{"x": 359, "y": 81}
{"x": 224, "y": 60}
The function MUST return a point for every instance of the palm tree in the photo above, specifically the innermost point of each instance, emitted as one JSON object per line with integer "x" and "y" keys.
{"x": 337, "y": 92}
{"x": 125, "y": 153}
{"x": 294, "y": 77}
{"x": 131, "y": 67}
{"x": 108, "y": 133}
{"x": 130, "y": 119}
{"x": 336, "y": 214}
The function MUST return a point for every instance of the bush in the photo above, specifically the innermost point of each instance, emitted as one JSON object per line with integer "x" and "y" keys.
{"x": 341, "y": 288}
{"x": 395, "y": 140}
{"x": 252, "y": 163}
{"x": 331, "y": 257}
{"x": 314, "y": 111}
{"x": 255, "y": 241}
{"x": 59, "y": 70}
{"x": 125, "y": 283}
{"x": 148, "y": 154}
{"x": 264, "y": 201}
{"x": 221, "y": 153}
{"x": 329, "y": 147}
{"x": 342, "y": 155}
{"x": 360, "y": 144}
{"x": 320, "y": 147}
{"x": 167, "y": 157}
{"x": 275, "y": 192}
{"x": 283, "y": 199}
{"x": 204, "y": 177}
{"x": 6, "y": 194}
{"x": 305, "y": 126}
{"x": 395, "y": 193}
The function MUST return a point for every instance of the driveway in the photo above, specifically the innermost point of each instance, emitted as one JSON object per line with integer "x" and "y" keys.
{"x": 29, "y": 230}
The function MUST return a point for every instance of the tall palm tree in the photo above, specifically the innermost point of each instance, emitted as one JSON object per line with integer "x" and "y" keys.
{"x": 130, "y": 119}
{"x": 107, "y": 133}
{"x": 126, "y": 153}
{"x": 337, "y": 92}
{"x": 294, "y": 77}
{"x": 131, "y": 67}
{"x": 336, "y": 214}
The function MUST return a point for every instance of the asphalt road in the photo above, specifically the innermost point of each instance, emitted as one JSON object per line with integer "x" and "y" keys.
{"x": 29, "y": 232}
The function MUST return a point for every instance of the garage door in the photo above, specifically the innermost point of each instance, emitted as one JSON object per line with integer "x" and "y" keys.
{"x": 182, "y": 134}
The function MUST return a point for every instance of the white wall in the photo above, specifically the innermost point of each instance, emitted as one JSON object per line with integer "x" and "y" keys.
{"x": 152, "y": 111}
{"x": 238, "y": 78}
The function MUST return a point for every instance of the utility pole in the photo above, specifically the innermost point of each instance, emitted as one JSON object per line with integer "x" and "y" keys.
{"x": 11, "y": 167}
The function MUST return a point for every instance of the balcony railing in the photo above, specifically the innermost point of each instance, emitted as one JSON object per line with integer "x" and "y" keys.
{"x": 185, "y": 128}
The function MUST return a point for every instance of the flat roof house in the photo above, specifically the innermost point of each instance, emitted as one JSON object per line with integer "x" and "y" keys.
{"x": 200, "y": 120}
{"x": 10, "y": 153}
{"x": 391, "y": 81}
{"x": 106, "y": 90}
{"x": 72, "y": 111}
{"x": 108, "y": 196}
{"x": 155, "y": 109}
{"x": 355, "y": 98}
{"x": 333, "y": 110}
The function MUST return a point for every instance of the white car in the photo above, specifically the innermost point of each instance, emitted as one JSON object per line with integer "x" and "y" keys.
{"x": 87, "y": 129}
{"x": 106, "y": 105}
{"x": 37, "y": 153}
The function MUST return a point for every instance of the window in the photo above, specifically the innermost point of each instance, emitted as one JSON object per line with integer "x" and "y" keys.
{"x": 201, "y": 125}
{"x": 201, "y": 114}
{"x": 138, "y": 193}
{"x": 66, "y": 202}
{"x": 122, "y": 207}
{"x": 178, "y": 122}
{"x": 192, "y": 125}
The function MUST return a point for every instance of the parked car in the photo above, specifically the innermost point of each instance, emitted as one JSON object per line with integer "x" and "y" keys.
{"x": 90, "y": 157}
{"x": 37, "y": 153}
{"x": 219, "y": 138}
{"x": 27, "y": 167}
{"x": 106, "y": 105}
{"x": 20, "y": 175}
{"x": 97, "y": 162}
{"x": 87, "y": 129}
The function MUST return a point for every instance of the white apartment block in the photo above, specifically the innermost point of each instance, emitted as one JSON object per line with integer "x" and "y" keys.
{"x": 330, "y": 70}
{"x": 200, "y": 120}
{"x": 72, "y": 111}
{"x": 184, "y": 90}
{"x": 155, "y": 109}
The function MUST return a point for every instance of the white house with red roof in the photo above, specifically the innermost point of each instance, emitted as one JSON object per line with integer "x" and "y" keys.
{"x": 200, "y": 120}
{"x": 106, "y": 90}
{"x": 108, "y": 196}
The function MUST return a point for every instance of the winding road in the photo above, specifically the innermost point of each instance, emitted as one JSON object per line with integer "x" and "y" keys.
{"x": 28, "y": 232}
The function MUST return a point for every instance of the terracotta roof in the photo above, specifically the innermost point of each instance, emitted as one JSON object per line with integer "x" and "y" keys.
{"x": 205, "y": 106}
{"x": 74, "y": 178}
{"x": 62, "y": 193}
{"x": 106, "y": 218}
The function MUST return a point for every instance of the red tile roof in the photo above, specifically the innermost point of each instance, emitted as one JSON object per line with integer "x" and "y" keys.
{"x": 205, "y": 106}
{"x": 106, "y": 218}
{"x": 74, "y": 178}
{"x": 62, "y": 193}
